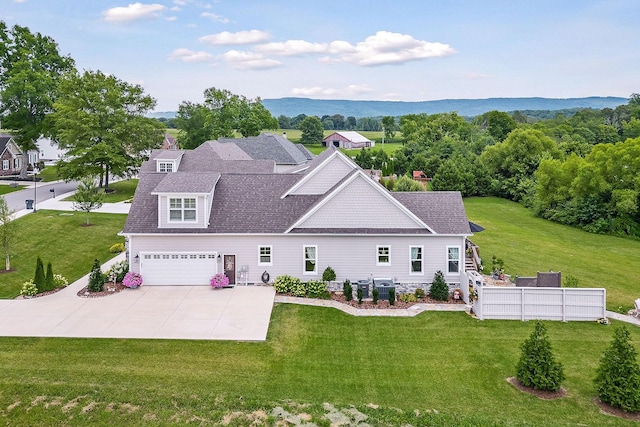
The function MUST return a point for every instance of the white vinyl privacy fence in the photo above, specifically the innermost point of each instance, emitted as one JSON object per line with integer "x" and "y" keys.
{"x": 565, "y": 304}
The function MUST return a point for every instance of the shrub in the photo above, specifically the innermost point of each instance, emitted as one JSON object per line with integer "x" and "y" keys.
{"x": 298, "y": 289}
{"x": 439, "y": 289}
{"x": 39, "y": 277}
{"x": 347, "y": 289}
{"x": 117, "y": 248}
{"x": 420, "y": 293}
{"x": 284, "y": 284}
{"x": 117, "y": 271}
{"x": 219, "y": 281}
{"x": 48, "y": 279}
{"x": 96, "y": 278}
{"x": 132, "y": 280}
{"x": 328, "y": 275}
{"x": 59, "y": 281}
{"x": 392, "y": 296}
{"x": 359, "y": 294}
{"x": 29, "y": 289}
{"x": 537, "y": 367}
{"x": 407, "y": 298}
{"x": 617, "y": 379}
{"x": 375, "y": 294}
{"x": 316, "y": 288}
{"x": 570, "y": 281}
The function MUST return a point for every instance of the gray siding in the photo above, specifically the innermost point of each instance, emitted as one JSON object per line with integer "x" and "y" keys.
{"x": 325, "y": 177}
{"x": 358, "y": 205}
{"x": 352, "y": 257}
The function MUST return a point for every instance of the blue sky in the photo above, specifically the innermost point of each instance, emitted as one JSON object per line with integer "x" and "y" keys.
{"x": 404, "y": 50}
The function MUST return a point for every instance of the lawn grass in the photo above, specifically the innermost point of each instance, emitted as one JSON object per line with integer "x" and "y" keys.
{"x": 437, "y": 361}
{"x": 48, "y": 174}
{"x": 121, "y": 191}
{"x": 528, "y": 244}
{"x": 59, "y": 238}
{"x": 6, "y": 189}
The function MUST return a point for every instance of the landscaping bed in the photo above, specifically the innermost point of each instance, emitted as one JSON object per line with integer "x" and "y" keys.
{"x": 368, "y": 303}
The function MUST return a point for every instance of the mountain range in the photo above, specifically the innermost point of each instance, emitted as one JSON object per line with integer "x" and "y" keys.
{"x": 291, "y": 107}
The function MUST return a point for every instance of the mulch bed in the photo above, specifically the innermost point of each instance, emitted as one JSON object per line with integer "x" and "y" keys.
{"x": 540, "y": 394}
{"x": 84, "y": 292}
{"x": 368, "y": 304}
{"x": 607, "y": 409}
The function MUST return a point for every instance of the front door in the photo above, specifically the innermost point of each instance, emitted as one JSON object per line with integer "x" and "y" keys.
{"x": 230, "y": 268}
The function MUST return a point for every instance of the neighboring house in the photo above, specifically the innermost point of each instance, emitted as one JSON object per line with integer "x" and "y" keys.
{"x": 195, "y": 215}
{"x": 421, "y": 177}
{"x": 10, "y": 156}
{"x": 348, "y": 140}
{"x": 169, "y": 142}
{"x": 289, "y": 157}
{"x": 48, "y": 151}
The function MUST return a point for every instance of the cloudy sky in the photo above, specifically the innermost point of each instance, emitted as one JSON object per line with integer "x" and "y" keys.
{"x": 405, "y": 50}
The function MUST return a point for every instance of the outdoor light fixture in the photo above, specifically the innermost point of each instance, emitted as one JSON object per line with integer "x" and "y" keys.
{"x": 137, "y": 259}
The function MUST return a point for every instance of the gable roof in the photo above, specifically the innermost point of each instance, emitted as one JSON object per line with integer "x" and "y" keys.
{"x": 442, "y": 210}
{"x": 186, "y": 182}
{"x": 268, "y": 146}
{"x": 7, "y": 141}
{"x": 350, "y": 136}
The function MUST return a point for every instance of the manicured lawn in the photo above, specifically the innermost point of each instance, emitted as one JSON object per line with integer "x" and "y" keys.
{"x": 529, "y": 244}
{"x": 122, "y": 190}
{"x": 49, "y": 173}
{"x": 6, "y": 189}
{"x": 438, "y": 361}
{"x": 59, "y": 238}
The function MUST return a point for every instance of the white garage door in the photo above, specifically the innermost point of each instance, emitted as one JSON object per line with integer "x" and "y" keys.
{"x": 184, "y": 268}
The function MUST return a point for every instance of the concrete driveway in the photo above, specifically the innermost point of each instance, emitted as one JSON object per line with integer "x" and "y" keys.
{"x": 167, "y": 312}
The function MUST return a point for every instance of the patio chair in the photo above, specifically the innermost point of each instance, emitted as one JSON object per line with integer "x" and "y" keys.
{"x": 636, "y": 303}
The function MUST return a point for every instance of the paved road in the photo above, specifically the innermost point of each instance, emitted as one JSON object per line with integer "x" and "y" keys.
{"x": 16, "y": 200}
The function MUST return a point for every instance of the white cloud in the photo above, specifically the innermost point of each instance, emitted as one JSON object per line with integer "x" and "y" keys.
{"x": 171, "y": 18}
{"x": 175, "y": 9}
{"x": 241, "y": 37}
{"x": 179, "y": 2}
{"x": 382, "y": 48}
{"x": 358, "y": 89}
{"x": 19, "y": 1}
{"x": 313, "y": 91}
{"x": 249, "y": 60}
{"x": 215, "y": 18}
{"x": 133, "y": 12}
{"x": 187, "y": 55}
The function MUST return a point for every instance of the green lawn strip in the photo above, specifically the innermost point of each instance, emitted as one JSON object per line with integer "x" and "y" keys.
{"x": 120, "y": 191}
{"x": 529, "y": 244}
{"x": 48, "y": 174}
{"x": 59, "y": 238}
{"x": 6, "y": 189}
{"x": 437, "y": 361}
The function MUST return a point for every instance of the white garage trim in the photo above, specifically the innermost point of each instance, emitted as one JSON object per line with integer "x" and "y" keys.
{"x": 178, "y": 268}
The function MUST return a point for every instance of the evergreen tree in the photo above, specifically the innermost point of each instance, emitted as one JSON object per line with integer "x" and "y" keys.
{"x": 617, "y": 379}
{"x": 49, "y": 285}
{"x": 96, "y": 278}
{"x": 537, "y": 367}
{"x": 39, "y": 277}
{"x": 439, "y": 289}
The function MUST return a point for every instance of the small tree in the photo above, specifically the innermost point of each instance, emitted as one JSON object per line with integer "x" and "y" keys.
{"x": 359, "y": 293}
{"x": 537, "y": 367}
{"x": 39, "y": 277}
{"x": 49, "y": 284}
{"x": 392, "y": 296}
{"x": 375, "y": 294}
{"x": 96, "y": 278}
{"x": 88, "y": 196}
{"x": 328, "y": 275}
{"x": 347, "y": 289}
{"x": 8, "y": 231}
{"x": 439, "y": 289}
{"x": 617, "y": 379}
{"x": 404, "y": 183}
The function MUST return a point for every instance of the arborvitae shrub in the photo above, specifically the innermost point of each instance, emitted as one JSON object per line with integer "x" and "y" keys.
{"x": 49, "y": 285}
{"x": 96, "y": 278}
{"x": 328, "y": 275}
{"x": 537, "y": 367}
{"x": 617, "y": 379}
{"x": 374, "y": 294}
{"x": 347, "y": 290}
{"x": 39, "y": 277}
{"x": 439, "y": 289}
{"x": 392, "y": 296}
{"x": 359, "y": 293}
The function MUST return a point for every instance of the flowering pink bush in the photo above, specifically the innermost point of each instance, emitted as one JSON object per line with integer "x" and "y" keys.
{"x": 132, "y": 280}
{"x": 219, "y": 281}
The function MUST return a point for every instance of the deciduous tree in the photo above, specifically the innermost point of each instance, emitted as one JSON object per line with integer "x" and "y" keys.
{"x": 8, "y": 231}
{"x": 311, "y": 128}
{"x": 88, "y": 196}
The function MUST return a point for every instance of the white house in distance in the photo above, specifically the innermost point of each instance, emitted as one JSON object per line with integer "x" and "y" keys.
{"x": 195, "y": 215}
{"x": 348, "y": 140}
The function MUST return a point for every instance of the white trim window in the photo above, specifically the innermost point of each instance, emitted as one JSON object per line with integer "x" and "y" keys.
{"x": 16, "y": 163}
{"x": 453, "y": 259}
{"x": 182, "y": 209}
{"x": 265, "y": 255}
{"x": 416, "y": 260}
{"x": 310, "y": 256}
{"x": 5, "y": 165}
{"x": 383, "y": 255}
{"x": 165, "y": 166}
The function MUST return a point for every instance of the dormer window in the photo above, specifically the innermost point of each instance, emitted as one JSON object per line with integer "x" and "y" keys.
{"x": 182, "y": 209}
{"x": 165, "y": 166}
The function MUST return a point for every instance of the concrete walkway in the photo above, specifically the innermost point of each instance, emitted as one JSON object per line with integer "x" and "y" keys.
{"x": 167, "y": 312}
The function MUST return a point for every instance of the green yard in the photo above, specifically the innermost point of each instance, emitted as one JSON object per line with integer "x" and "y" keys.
{"x": 444, "y": 362}
{"x": 529, "y": 244}
{"x": 59, "y": 238}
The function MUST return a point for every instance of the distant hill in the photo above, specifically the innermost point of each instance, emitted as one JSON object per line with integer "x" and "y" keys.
{"x": 291, "y": 107}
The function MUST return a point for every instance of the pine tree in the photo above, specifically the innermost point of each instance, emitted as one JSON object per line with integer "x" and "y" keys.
{"x": 96, "y": 278}
{"x": 439, "y": 289}
{"x": 537, "y": 367}
{"x": 49, "y": 285}
{"x": 617, "y": 379}
{"x": 39, "y": 278}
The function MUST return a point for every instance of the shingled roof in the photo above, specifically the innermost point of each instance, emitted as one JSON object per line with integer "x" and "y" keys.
{"x": 268, "y": 146}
